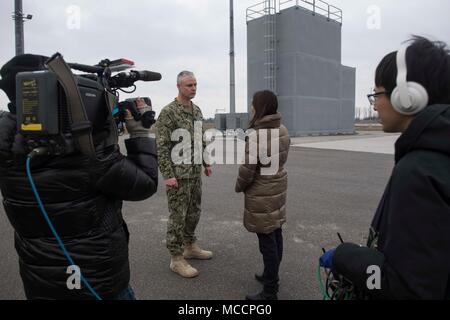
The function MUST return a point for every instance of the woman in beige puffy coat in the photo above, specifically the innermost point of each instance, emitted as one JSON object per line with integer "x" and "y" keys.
{"x": 264, "y": 182}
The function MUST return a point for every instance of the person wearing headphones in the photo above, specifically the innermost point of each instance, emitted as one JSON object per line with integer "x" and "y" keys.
{"x": 409, "y": 241}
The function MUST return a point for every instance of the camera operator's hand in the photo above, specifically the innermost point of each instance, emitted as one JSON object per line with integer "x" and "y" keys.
{"x": 135, "y": 128}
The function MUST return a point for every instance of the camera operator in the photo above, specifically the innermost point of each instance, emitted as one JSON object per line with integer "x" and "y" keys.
{"x": 83, "y": 198}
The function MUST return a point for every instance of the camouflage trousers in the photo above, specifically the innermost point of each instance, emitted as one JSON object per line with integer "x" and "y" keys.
{"x": 184, "y": 208}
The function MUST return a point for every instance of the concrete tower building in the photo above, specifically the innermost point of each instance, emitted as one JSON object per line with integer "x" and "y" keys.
{"x": 294, "y": 49}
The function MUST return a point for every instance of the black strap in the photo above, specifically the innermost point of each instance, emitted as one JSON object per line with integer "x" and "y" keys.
{"x": 111, "y": 100}
{"x": 80, "y": 124}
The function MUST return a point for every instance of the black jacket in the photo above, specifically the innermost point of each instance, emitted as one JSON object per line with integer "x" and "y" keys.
{"x": 413, "y": 218}
{"x": 84, "y": 201}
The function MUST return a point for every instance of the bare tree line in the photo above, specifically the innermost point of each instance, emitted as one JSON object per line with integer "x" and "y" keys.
{"x": 365, "y": 113}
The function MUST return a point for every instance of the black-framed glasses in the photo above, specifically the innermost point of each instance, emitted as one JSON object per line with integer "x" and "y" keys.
{"x": 374, "y": 97}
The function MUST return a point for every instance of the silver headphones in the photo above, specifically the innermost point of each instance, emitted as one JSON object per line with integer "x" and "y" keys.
{"x": 408, "y": 98}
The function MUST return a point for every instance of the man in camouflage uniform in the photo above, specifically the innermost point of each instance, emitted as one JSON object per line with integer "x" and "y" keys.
{"x": 182, "y": 175}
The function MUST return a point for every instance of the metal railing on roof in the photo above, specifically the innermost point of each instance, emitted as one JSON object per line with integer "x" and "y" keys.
{"x": 320, "y": 7}
{"x": 257, "y": 11}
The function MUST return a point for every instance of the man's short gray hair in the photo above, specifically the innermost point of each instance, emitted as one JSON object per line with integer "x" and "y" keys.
{"x": 183, "y": 74}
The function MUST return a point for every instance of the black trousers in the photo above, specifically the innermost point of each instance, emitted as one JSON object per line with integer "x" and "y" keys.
{"x": 271, "y": 248}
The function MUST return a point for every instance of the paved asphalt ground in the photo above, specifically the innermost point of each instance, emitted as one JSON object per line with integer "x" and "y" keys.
{"x": 329, "y": 192}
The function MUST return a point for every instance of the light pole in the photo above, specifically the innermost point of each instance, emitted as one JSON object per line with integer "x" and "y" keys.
{"x": 19, "y": 18}
{"x": 232, "y": 62}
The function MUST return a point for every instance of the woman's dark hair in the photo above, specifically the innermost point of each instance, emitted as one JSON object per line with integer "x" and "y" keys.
{"x": 265, "y": 103}
{"x": 428, "y": 63}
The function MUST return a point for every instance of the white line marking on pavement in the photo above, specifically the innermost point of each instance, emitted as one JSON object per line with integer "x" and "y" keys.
{"x": 383, "y": 145}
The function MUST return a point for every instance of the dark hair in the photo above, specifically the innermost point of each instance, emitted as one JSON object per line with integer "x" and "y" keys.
{"x": 428, "y": 63}
{"x": 265, "y": 103}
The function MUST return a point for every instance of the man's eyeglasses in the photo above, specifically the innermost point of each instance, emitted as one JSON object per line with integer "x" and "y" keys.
{"x": 374, "y": 97}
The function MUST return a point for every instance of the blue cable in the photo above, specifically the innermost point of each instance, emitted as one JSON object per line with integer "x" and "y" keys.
{"x": 58, "y": 239}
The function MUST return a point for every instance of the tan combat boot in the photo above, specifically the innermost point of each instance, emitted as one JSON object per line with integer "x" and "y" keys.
{"x": 193, "y": 251}
{"x": 182, "y": 267}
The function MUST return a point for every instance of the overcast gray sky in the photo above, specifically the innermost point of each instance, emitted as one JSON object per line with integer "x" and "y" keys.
{"x": 168, "y": 36}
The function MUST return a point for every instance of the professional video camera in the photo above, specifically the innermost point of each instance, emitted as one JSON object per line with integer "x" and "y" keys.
{"x": 60, "y": 112}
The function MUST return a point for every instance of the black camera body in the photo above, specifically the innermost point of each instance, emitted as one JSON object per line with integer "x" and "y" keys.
{"x": 43, "y": 116}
